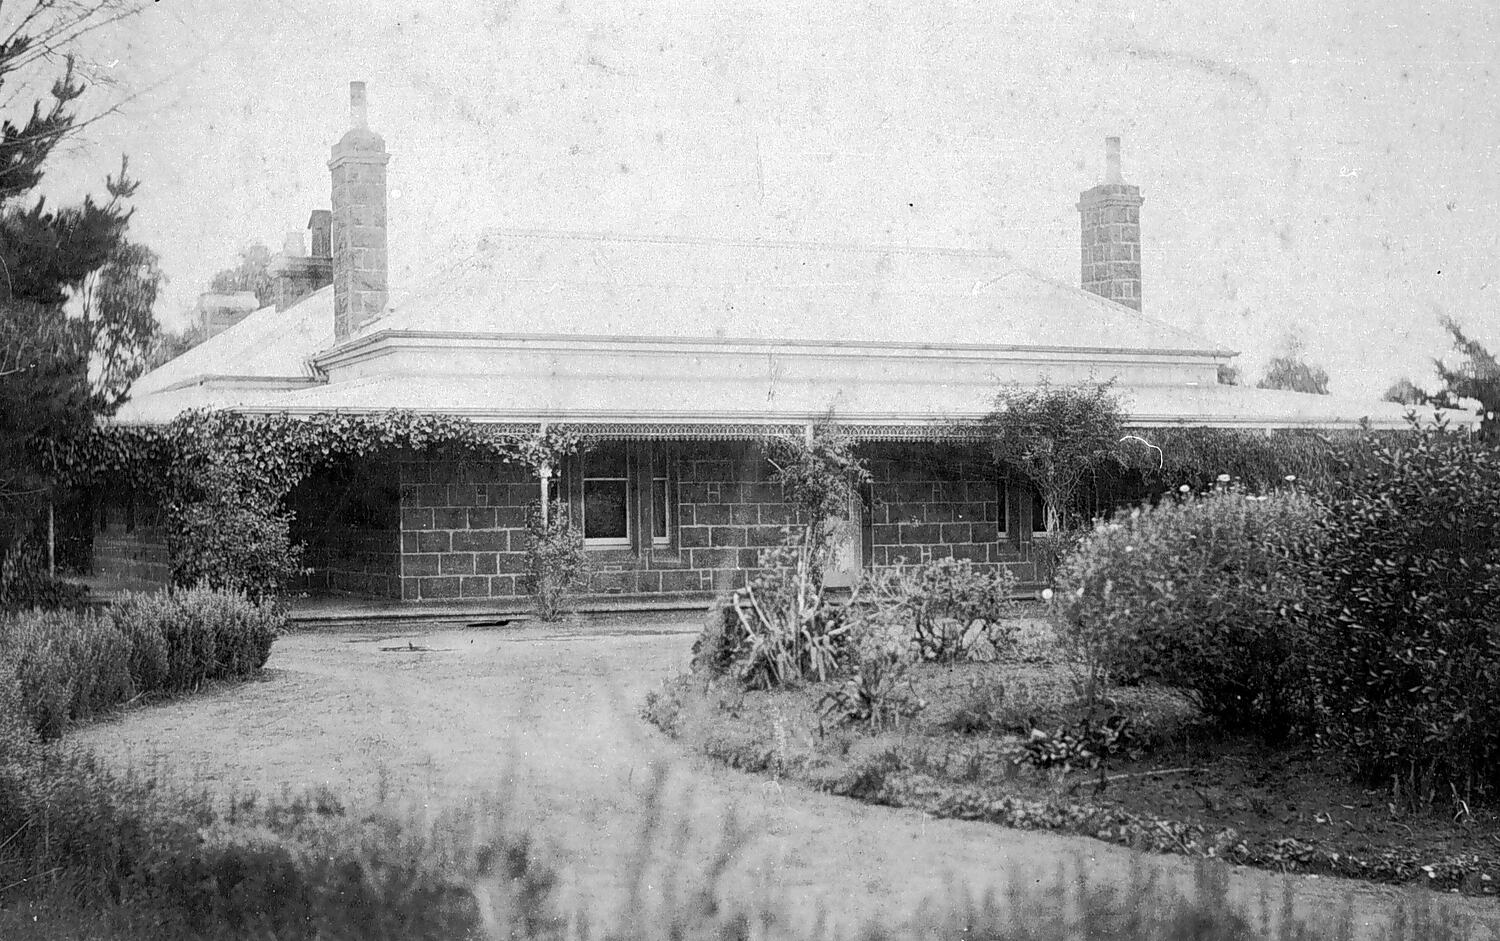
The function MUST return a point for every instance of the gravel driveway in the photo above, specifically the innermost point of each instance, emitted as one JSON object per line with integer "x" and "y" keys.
{"x": 554, "y": 711}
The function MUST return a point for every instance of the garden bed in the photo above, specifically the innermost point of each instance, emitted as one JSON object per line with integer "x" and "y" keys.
{"x": 1189, "y": 789}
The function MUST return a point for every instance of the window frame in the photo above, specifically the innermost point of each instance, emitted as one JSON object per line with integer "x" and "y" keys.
{"x": 659, "y": 452}
{"x": 1002, "y": 509}
{"x": 606, "y": 542}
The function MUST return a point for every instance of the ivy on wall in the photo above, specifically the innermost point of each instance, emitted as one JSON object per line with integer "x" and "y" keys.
{"x": 221, "y": 477}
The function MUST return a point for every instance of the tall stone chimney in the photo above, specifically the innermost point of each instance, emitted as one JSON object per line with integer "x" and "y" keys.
{"x": 358, "y": 221}
{"x": 296, "y": 272}
{"x": 1111, "y": 215}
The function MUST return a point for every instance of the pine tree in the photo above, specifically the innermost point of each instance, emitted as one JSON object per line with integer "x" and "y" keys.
{"x": 75, "y": 295}
{"x": 1477, "y": 376}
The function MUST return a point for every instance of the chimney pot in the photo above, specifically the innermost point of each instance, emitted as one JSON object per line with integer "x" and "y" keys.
{"x": 1112, "y": 160}
{"x": 320, "y": 228}
{"x": 359, "y": 115}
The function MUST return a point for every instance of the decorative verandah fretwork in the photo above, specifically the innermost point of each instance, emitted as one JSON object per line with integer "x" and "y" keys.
{"x": 753, "y": 431}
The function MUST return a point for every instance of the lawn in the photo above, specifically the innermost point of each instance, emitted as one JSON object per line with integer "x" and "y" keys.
{"x": 1175, "y": 784}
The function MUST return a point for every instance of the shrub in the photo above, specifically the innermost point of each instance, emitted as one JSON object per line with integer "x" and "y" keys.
{"x": 555, "y": 561}
{"x": 1197, "y": 594}
{"x": 183, "y": 638}
{"x": 980, "y": 708}
{"x": 1034, "y": 640}
{"x": 714, "y": 649}
{"x": 233, "y": 538}
{"x": 955, "y": 610}
{"x": 25, "y": 583}
{"x": 66, "y": 667}
{"x": 1050, "y": 550}
{"x": 1407, "y": 661}
{"x": 1173, "y": 456}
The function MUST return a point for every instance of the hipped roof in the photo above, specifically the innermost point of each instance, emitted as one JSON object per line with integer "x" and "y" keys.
{"x": 521, "y": 298}
{"x": 606, "y": 285}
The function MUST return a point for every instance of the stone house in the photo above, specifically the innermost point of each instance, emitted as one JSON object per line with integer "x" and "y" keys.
{"x": 679, "y": 356}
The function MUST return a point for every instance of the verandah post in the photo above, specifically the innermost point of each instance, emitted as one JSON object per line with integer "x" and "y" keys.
{"x": 544, "y": 472}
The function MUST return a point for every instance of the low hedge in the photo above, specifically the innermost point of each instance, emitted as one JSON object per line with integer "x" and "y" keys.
{"x": 61, "y": 667}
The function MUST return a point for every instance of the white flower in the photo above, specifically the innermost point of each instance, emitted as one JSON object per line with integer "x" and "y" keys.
{"x": 1222, "y": 478}
{"x": 1289, "y": 478}
{"x": 1046, "y": 594}
{"x": 1185, "y": 488}
{"x": 1130, "y": 548}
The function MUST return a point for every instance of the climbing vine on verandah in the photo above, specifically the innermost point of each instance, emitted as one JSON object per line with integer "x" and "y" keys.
{"x": 221, "y": 477}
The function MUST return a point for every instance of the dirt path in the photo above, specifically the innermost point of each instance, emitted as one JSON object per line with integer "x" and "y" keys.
{"x": 556, "y": 712}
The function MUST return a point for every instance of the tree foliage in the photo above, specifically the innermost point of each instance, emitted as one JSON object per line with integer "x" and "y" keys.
{"x": 62, "y": 361}
{"x": 1055, "y": 437}
{"x": 1291, "y": 372}
{"x": 1405, "y": 392}
{"x": 1477, "y": 376}
{"x": 119, "y": 302}
{"x": 170, "y": 344}
{"x": 251, "y": 274}
{"x": 1407, "y": 589}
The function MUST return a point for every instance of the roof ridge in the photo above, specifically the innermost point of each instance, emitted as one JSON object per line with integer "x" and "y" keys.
{"x": 643, "y": 238}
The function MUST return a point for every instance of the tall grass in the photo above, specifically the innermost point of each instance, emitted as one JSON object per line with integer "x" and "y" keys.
{"x": 140, "y": 860}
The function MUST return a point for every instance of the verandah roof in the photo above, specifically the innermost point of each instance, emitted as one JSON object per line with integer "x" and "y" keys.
{"x": 640, "y": 407}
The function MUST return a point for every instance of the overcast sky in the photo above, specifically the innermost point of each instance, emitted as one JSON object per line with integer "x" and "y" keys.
{"x": 1330, "y": 173}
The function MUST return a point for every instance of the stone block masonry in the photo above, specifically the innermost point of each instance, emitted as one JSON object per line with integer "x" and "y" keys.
{"x": 930, "y": 501}
{"x": 1110, "y": 216}
{"x": 727, "y": 513}
{"x": 462, "y": 523}
{"x": 463, "y": 528}
{"x": 358, "y": 222}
